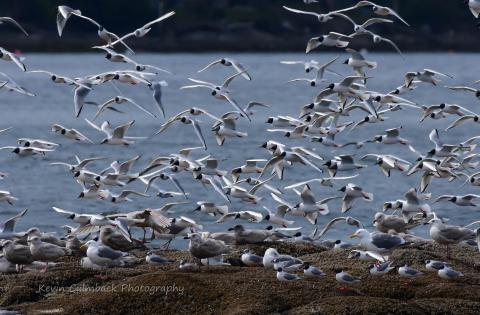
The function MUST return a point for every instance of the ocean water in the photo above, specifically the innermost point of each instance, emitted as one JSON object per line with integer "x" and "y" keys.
{"x": 40, "y": 186}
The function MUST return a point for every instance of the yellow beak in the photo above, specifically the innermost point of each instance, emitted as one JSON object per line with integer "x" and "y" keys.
{"x": 83, "y": 246}
{"x": 353, "y": 235}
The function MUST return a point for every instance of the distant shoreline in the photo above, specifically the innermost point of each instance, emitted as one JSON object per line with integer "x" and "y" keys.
{"x": 246, "y": 43}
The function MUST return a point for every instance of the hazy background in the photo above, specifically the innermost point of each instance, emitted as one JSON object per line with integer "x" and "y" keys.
{"x": 237, "y": 25}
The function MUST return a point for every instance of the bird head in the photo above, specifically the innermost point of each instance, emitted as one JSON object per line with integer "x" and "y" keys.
{"x": 360, "y": 233}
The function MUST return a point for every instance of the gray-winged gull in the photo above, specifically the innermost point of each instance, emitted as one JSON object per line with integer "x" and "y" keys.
{"x": 344, "y": 277}
{"x": 409, "y": 272}
{"x": 156, "y": 260}
{"x": 448, "y": 234}
{"x": 435, "y": 265}
{"x": 378, "y": 241}
{"x": 378, "y": 269}
{"x": 105, "y": 256}
{"x": 285, "y": 276}
{"x": 250, "y": 259}
{"x": 312, "y": 271}
{"x": 448, "y": 273}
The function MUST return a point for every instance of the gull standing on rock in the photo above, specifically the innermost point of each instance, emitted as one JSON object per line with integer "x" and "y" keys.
{"x": 201, "y": 248}
{"x": 448, "y": 234}
{"x": 104, "y": 256}
{"x": 409, "y": 272}
{"x": 285, "y": 276}
{"x": 377, "y": 241}
{"x": 250, "y": 259}
{"x": 156, "y": 260}
{"x": 46, "y": 252}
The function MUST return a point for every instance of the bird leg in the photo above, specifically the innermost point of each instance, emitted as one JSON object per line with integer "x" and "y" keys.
{"x": 144, "y": 233}
{"x": 408, "y": 282}
{"x": 45, "y": 269}
{"x": 153, "y": 235}
{"x": 101, "y": 276}
{"x": 167, "y": 244}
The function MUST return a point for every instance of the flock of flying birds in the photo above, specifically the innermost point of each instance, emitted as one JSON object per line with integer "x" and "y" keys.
{"x": 103, "y": 240}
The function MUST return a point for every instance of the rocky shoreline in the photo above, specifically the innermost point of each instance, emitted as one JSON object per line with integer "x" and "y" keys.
{"x": 236, "y": 289}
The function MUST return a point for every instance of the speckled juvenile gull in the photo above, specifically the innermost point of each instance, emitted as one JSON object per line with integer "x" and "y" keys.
{"x": 109, "y": 237}
{"x": 389, "y": 222}
{"x": 46, "y": 252}
{"x": 249, "y": 236}
{"x": 205, "y": 248}
{"x": 17, "y": 254}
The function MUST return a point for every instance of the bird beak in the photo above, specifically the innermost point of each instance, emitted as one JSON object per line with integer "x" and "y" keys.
{"x": 353, "y": 235}
{"x": 374, "y": 221}
{"x": 230, "y": 229}
{"x": 83, "y": 246}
